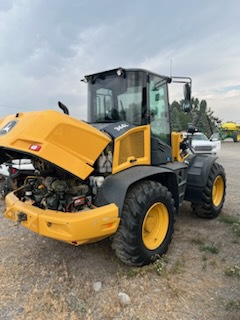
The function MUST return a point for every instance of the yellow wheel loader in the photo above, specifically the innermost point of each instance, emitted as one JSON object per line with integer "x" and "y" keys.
{"x": 122, "y": 174}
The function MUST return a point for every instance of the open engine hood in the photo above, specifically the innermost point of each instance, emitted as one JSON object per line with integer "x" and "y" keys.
{"x": 71, "y": 144}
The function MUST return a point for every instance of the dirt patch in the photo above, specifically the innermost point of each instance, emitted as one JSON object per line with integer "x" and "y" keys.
{"x": 198, "y": 279}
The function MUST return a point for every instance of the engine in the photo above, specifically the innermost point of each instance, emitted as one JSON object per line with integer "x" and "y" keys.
{"x": 53, "y": 188}
{"x": 50, "y": 192}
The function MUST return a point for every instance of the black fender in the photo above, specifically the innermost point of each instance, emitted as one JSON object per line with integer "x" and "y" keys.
{"x": 197, "y": 176}
{"x": 115, "y": 187}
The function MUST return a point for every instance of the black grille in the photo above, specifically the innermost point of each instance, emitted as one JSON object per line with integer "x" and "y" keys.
{"x": 203, "y": 148}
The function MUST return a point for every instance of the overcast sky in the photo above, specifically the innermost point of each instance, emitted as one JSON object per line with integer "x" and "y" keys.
{"x": 47, "y": 46}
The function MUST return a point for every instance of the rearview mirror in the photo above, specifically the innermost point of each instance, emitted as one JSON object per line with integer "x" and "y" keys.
{"x": 187, "y": 105}
{"x": 187, "y": 91}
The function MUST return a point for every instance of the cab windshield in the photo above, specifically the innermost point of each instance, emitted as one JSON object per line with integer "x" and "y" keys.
{"x": 135, "y": 96}
{"x": 114, "y": 98}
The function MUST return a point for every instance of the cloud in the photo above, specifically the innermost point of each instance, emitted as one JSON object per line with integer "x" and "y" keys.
{"x": 46, "y": 47}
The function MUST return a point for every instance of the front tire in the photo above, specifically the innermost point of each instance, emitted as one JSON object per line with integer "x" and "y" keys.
{"x": 213, "y": 194}
{"x": 146, "y": 226}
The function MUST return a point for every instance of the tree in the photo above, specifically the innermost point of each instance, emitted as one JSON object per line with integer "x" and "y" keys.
{"x": 201, "y": 116}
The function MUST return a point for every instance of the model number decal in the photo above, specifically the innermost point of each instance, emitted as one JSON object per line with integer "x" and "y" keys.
{"x": 121, "y": 126}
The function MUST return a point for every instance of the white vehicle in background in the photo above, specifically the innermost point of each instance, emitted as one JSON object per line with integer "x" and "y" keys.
{"x": 216, "y": 138}
{"x": 14, "y": 172}
{"x": 21, "y": 164}
{"x": 201, "y": 144}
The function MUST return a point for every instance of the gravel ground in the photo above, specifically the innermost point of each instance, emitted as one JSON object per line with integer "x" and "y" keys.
{"x": 198, "y": 279}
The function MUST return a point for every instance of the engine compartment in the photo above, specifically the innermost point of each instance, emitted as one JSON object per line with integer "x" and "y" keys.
{"x": 52, "y": 193}
{"x": 53, "y": 188}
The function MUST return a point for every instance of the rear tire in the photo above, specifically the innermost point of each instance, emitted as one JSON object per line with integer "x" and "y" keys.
{"x": 213, "y": 195}
{"x": 146, "y": 225}
{"x": 4, "y": 188}
{"x": 236, "y": 136}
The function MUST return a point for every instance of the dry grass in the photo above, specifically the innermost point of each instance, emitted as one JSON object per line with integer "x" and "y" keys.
{"x": 41, "y": 278}
{"x": 45, "y": 279}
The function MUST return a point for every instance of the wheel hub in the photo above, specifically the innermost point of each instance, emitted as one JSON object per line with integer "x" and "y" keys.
{"x": 218, "y": 191}
{"x": 155, "y": 226}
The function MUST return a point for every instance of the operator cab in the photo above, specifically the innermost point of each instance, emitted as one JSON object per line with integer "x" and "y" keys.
{"x": 137, "y": 96}
{"x": 134, "y": 95}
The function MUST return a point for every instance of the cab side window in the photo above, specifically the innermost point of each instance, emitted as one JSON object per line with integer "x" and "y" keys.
{"x": 159, "y": 113}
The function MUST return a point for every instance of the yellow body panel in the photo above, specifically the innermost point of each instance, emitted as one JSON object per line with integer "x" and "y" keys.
{"x": 74, "y": 228}
{"x": 132, "y": 148}
{"x": 177, "y": 138}
{"x": 67, "y": 142}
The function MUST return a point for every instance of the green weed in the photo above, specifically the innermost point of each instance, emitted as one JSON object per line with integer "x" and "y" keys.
{"x": 177, "y": 268}
{"x": 229, "y": 219}
{"x": 198, "y": 240}
{"x": 232, "y": 305}
{"x": 212, "y": 249}
{"x": 232, "y": 271}
{"x": 236, "y": 229}
{"x": 133, "y": 272}
{"x": 213, "y": 263}
{"x": 234, "y": 222}
{"x": 160, "y": 266}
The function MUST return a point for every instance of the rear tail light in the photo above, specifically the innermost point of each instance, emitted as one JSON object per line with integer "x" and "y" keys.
{"x": 13, "y": 170}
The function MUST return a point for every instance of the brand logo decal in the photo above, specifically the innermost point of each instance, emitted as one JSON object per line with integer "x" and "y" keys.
{"x": 121, "y": 127}
{"x": 8, "y": 127}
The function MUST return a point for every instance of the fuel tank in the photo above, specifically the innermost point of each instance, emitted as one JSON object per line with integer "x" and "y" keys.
{"x": 58, "y": 138}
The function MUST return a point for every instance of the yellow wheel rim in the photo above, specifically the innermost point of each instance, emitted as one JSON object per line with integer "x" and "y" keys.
{"x": 217, "y": 191}
{"x": 155, "y": 226}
